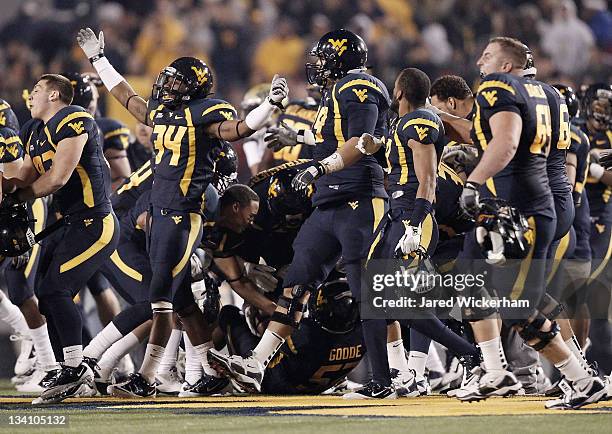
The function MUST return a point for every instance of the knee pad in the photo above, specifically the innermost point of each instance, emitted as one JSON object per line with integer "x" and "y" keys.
{"x": 530, "y": 330}
{"x": 161, "y": 307}
{"x": 293, "y": 306}
{"x": 550, "y": 308}
{"x": 476, "y": 313}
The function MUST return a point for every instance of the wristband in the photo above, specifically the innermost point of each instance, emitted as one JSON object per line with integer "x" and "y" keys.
{"x": 258, "y": 117}
{"x": 333, "y": 163}
{"x": 109, "y": 76}
{"x": 422, "y": 207}
{"x": 473, "y": 185}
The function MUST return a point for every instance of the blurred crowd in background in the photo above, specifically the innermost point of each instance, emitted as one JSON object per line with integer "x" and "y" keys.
{"x": 247, "y": 41}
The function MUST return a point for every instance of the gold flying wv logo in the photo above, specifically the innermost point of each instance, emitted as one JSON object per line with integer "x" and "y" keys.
{"x": 272, "y": 191}
{"x": 2, "y": 119}
{"x": 421, "y": 131}
{"x": 354, "y": 204}
{"x": 87, "y": 222}
{"x": 339, "y": 45}
{"x": 77, "y": 126}
{"x": 13, "y": 150}
{"x": 362, "y": 94}
{"x": 490, "y": 96}
{"x": 227, "y": 115}
{"x": 177, "y": 219}
{"x": 200, "y": 75}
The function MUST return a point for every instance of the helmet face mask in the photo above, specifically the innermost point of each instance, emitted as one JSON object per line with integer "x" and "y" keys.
{"x": 597, "y": 106}
{"x": 226, "y": 168}
{"x": 186, "y": 79}
{"x": 501, "y": 232}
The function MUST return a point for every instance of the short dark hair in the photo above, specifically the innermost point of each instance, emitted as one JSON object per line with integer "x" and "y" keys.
{"x": 238, "y": 193}
{"x": 450, "y": 86}
{"x": 414, "y": 85}
{"x": 514, "y": 49}
{"x": 61, "y": 84}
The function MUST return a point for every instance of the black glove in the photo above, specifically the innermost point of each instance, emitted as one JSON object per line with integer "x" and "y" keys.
{"x": 306, "y": 177}
{"x": 278, "y": 138}
{"x": 605, "y": 159}
{"x": 10, "y": 200}
{"x": 470, "y": 199}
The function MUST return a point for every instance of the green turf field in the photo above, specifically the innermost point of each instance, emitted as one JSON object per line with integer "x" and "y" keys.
{"x": 306, "y": 415}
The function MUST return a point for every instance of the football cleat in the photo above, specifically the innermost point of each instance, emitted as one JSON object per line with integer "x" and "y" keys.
{"x": 423, "y": 386}
{"x": 248, "y": 372}
{"x": 404, "y": 383}
{"x": 205, "y": 386}
{"x": 168, "y": 382}
{"x": 135, "y": 387}
{"x": 469, "y": 386}
{"x": 38, "y": 380}
{"x": 453, "y": 378}
{"x": 101, "y": 383}
{"x": 608, "y": 383}
{"x": 27, "y": 356}
{"x": 578, "y": 394}
{"x": 499, "y": 383}
{"x": 372, "y": 391}
{"x": 435, "y": 380}
{"x": 342, "y": 387}
{"x": 66, "y": 383}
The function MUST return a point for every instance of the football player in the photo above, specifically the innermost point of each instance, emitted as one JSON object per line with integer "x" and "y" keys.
{"x": 65, "y": 157}
{"x": 21, "y": 271}
{"x": 512, "y": 128}
{"x": 317, "y": 356}
{"x": 595, "y": 122}
{"x": 187, "y": 126}
{"x": 349, "y": 202}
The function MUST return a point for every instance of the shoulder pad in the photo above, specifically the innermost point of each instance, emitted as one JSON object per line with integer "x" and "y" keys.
{"x": 11, "y": 147}
{"x": 420, "y": 125}
{"x": 361, "y": 86}
{"x": 71, "y": 121}
{"x": 209, "y": 111}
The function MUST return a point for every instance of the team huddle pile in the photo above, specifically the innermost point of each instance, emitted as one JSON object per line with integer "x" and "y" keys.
{"x": 429, "y": 174}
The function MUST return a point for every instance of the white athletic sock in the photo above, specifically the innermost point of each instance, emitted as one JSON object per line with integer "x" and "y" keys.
{"x": 73, "y": 355}
{"x": 193, "y": 367}
{"x": 45, "y": 357}
{"x": 170, "y": 353}
{"x": 571, "y": 369}
{"x": 102, "y": 341}
{"x": 397, "y": 356}
{"x": 493, "y": 354}
{"x": 11, "y": 314}
{"x": 267, "y": 347}
{"x": 417, "y": 361}
{"x": 151, "y": 361}
{"x": 574, "y": 346}
{"x": 111, "y": 357}
{"x": 200, "y": 351}
{"x": 434, "y": 363}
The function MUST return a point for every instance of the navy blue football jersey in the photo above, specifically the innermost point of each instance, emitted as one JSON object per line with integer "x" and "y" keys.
{"x": 183, "y": 158}
{"x": 315, "y": 360}
{"x": 349, "y": 98}
{"x": 422, "y": 126}
{"x": 524, "y": 181}
{"x": 560, "y": 141}
{"x": 450, "y": 217}
{"x": 89, "y": 186}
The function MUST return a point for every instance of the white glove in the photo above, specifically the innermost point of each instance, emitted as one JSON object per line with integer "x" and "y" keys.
{"x": 279, "y": 92}
{"x": 91, "y": 45}
{"x": 368, "y": 144}
{"x": 410, "y": 241}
